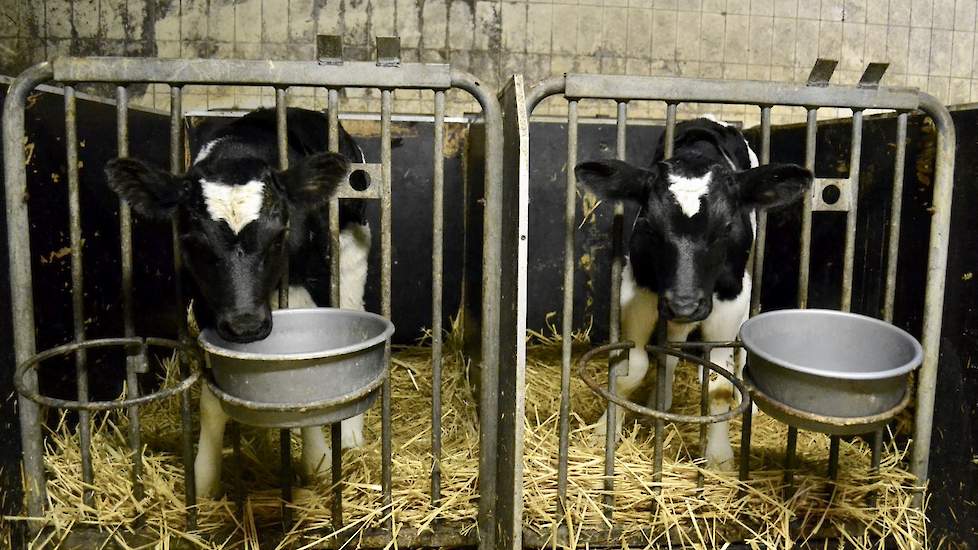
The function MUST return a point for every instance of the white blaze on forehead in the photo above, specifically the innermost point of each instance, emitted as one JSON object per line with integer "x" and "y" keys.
{"x": 205, "y": 151}
{"x": 688, "y": 191}
{"x": 238, "y": 205}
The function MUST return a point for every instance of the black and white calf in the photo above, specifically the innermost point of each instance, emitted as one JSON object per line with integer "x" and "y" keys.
{"x": 690, "y": 248}
{"x": 240, "y": 220}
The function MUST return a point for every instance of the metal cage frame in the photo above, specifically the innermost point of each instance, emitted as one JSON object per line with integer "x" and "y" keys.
{"x": 331, "y": 73}
{"x": 816, "y": 93}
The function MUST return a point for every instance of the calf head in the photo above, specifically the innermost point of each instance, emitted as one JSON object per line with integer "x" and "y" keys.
{"x": 695, "y": 228}
{"x": 233, "y": 216}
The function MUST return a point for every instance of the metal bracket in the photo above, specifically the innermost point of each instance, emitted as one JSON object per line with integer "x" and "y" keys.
{"x": 872, "y": 75}
{"x": 388, "y": 51}
{"x": 826, "y": 189}
{"x": 373, "y": 191}
{"x": 822, "y": 72}
{"x": 329, "y": 49}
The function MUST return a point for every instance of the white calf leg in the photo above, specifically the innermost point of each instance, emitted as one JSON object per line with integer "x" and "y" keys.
{"x": 207, "y": 465}
{"x": 316, "y": 458}
{"x": 639, "y": 311}
{"x": 723, "y": 325}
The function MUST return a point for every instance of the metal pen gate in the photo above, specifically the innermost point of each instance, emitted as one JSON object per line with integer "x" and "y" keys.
{"x": 332, "y": 73}
{"x": 763, "y": 95}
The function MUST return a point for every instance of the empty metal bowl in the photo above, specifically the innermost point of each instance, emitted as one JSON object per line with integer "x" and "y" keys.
{"x": 318, "y": 366}
{"x": 829, "y": 363}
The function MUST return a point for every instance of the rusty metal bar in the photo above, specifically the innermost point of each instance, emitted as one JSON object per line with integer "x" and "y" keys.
{"x": 704, "y": 405}
{"x": 896, "y": 209}
{"x": 789, "y": 460}
{"x": 234, "y": 430}
{"x": 133, "y": 365}
{"x": 660, "y": 401}
{"x": 745, "y": 433}
{"x": 670, "y": 135}
{"x": 833, "y": 472}
{"x": 78, "y": 291}
{"x": 811, "y": 130}
{"x": 567, "y": 328}
{"x": 176, "y": 167}
{"x": 285, "y": 475}
{"x": 437, "y": 280}
{"x": 336, "y": 472}
{"x": 386, "y": 101}
{"x": 760, "y": 241}
{"x": 282, "y": 142}
{"x": 333, "y": 114}
{"x": 848, "y": 258}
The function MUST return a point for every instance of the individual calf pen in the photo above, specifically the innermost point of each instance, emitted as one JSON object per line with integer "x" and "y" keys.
{"x": 330, "y": 73}
{"x": 565, "y": 523}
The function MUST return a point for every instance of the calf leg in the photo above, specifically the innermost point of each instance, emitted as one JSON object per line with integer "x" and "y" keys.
{"x": 639, "y": 312}
{"x": 207, "y": 465}
{"x": 723, "y": 325}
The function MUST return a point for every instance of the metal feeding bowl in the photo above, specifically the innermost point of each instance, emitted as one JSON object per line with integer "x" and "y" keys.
{"x": 318, "y": 366}
{"x": 828, "y": 371}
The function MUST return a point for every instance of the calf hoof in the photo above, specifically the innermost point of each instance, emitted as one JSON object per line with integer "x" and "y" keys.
{"x": 720, "y": 457}
{"x": 208, "y": 488}
{"x": 316, "y": 468}
{"x": 599, "y": 430}
{"x": 352, "y": 438}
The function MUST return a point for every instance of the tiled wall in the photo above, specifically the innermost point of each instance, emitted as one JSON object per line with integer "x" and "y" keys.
{"x": 930, "y": 44}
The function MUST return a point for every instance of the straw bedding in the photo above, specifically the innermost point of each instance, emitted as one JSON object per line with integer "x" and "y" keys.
{"x": 756, "y": 512}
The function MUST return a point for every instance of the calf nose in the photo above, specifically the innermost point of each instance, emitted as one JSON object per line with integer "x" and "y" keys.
{"x": 245, "y": 326}
{"x": 684, "y": 305}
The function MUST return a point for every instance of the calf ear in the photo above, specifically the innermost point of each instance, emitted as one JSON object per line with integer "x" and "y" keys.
{"x": 150, "y": 191}
{"x": 615, "y": 179}
{"x": 773, "y": 185}
{"x": 312, "y": 181}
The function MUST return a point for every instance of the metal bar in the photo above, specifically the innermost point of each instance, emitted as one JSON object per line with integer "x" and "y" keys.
{"x": 333, "y": 114}
{"x": 239, "y": 493}
{"x": 934, "y": 295}
{"x": 285, "y": 476}
{"x": 848, "y": 258}
{"x": 21, "y": 285}
{"x": 811, "y": 130}
{"x": 386, "y": 101}
{"x": 760, "y": 242}
{"x": 896, "y": 209}
{"x": 78, "y": 292}
{"x": 745, "y": 433}
{"x": 696, "y": 90}
{"x": 133, "y": 367}
{"x": 437, "y": 280}
{"x": 834, "y": 458}
{"x": 491, "y": 334}
{"x": 670, "y": 135}
{"x": 176, "y": 167}
{"x": 660, "y": 400}
{"x": 566, "y": 328}
{"x": 427, "y": 76}
{"x": 704, "y": 407}
{"x": 789, "y": 461}
{"x": 874, "y": 463}
{"x": 336, "y": 471}
{"x": 282, "y": 141}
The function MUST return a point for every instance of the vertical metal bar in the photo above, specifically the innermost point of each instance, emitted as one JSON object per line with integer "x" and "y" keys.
{"x": 570, "y": 202}
{"x": 437, "y": 280}
{"x": 760, "y": 242}
{"x": 704, "y": 405}
{"x": 176, "y": 167}
{"x": 896, "y": 209}
{"x": 78, "y": 291}
{"x": 21, "y": 285}
{"x": 934, "y": 296}
{"x": 285, "y": 475}
{"x": 336, "y": 452}
{"x": 660, "y": 401}
{"x": 806, "y": 216}
{"x": 386, "y": 100}
{"x": 282, "y": 141}
{"x": 133, "y": 365}
{"x": 670, "y": 135}
{"x": 333, "y": 114}
{"x": 234, "y": 430}
{"x": 745, "y": 433}
{"x": 566, "y": 328}
{"x": 874, "y": 468}
{"x": 834, "y": 458}
{"x": 285, "y": 435}
{"x": 789, "y": 461}
{"x": 851, "y": 216}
